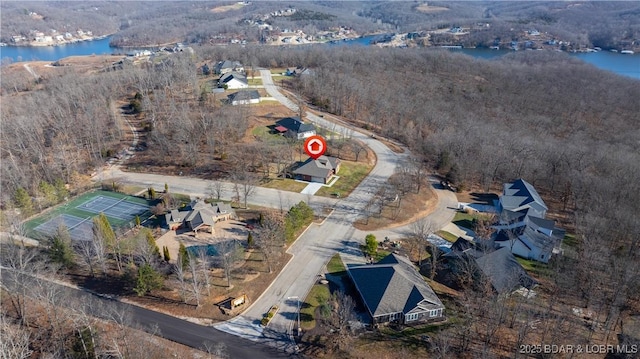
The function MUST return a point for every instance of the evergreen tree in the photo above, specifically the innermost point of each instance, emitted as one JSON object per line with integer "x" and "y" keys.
{"x": 250, "y": 240}
{"x": 83, "y": 344}
{"x": 61, "y": 189}
{"x": 137, "y": 221}
{"x": 61, "y": 250}
{"x": 166, "y": 188}
{"x": 48, "y": 191}
{"x": 151, "y": 192}
{"x": 152, "y": 242}
{"x": 165, "y": 252}
{"x": 183, "y": 256}
{"x": 23, "y": 201}
{"x": 148, "y": 280}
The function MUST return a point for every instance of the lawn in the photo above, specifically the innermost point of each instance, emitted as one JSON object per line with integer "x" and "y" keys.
{"x": 285, "y": 185}
{"x": 335, "y": 265}
{"x": 464, "y": 219}
{"x": 467, "y": 220}
{"x": 351, "y": 174}
{"x": 256, "y": 81}
{"x": 318, "y": 295}
{"x": 538, "y": 269}
{"x": 448, "y": 236}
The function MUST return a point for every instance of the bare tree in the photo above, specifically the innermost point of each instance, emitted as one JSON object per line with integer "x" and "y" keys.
{"x": 179, "y": 271}
{"x": 215, "y": 189}
{"x": 419, "y": 240}
{"x": 270, "y": 237}
{"x": 227, "y": 257}
{"x": 195, "y": 283}
{"x": 204, "y": 264}
{"x": 16, "y": 339}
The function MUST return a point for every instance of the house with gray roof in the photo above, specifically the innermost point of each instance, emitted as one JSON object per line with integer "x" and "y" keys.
{"x": 522, "y": 226}
{"x": 319, "y": 170}
{"x": 245, "y": 97}
{"x": 393, "y": 290}
{"x": 199, "y": 215}
{"x": 497, "y": 266}
{"x": 293, "y": 127}
{"x": 233, "y": 80}
{"x": 227, "y": 66}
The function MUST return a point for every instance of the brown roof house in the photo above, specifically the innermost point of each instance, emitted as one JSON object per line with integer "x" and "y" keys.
{"x": 199, "y": 215}
{"x": 320, "y": 170}
{"x": 392, "y": 290}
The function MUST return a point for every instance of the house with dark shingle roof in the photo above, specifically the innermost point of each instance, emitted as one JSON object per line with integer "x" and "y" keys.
{"x": 482, "y": 260}
{"x": 393, "y": 290}
{"x": 227, "y": 66}
{"x": 199, "y": 215}
{"x": 233, "y": 80}
{"x": 244, "y": 97}
{"x": 293, "y": 127}
{"x": 522, "y": 226}
{"x": 319, "y": 170}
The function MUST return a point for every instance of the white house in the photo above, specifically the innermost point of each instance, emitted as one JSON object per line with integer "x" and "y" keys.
{"x": 232, "y": 81}
{"x": 244, "y": 97}
{"x": 522, "y": 226}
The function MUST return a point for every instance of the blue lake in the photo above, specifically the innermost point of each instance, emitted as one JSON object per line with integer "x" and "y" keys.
{"x": 626, "y": 65}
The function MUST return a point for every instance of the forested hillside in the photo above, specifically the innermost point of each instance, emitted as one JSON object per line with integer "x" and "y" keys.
{"x": 566, "y": 127}
{"x": 582, "y": 24}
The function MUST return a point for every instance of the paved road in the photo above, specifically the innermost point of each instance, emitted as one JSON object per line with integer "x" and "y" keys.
{"x": 168, "y": 327}
{"x": 315, "y": 247}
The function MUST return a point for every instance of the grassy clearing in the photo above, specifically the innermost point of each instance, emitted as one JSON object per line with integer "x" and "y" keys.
{"x": 256, "y": 81}
{"x": 335, "y": 265}
{"x": 318, "y": 295}
{"x": 448, "y": 236}
{"x": 467, "y": 220}
{"x": 538, "y": 269}
{"x": 351, "y": 174}
{"x": 285, "y": 185}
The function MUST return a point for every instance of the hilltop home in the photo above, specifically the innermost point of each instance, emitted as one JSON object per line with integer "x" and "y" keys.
{"x": 199, "y": 215}
{"x": 522, "y": 226}
{"x": 244, "y": 97}
{"x": 293, "y": 127}
{"x": 233, "y": 80}
{"x": 320, "y": 170}
{"x": 392, "y": 290}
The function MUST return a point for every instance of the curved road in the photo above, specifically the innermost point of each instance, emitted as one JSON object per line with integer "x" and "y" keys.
{"x": 314, "y": 247}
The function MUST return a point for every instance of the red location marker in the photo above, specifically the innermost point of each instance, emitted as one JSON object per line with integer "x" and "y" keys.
{"x": 315, "y": 146}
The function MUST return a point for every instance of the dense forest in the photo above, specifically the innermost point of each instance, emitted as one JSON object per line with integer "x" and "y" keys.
{"x": 583, "y": 24}
{"x": 566, "y": 127}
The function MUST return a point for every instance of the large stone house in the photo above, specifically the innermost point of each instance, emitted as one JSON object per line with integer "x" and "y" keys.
{"x": 199, "y": 215}
{"x": 392, "y": 290}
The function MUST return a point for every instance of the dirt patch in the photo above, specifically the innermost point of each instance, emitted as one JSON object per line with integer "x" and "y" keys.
{"x": 412, "y": 207}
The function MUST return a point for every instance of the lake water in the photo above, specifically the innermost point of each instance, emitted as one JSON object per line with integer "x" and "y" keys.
{"x": 627, "y": 65}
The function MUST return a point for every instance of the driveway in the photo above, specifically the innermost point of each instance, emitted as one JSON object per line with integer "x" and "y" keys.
{"x": 312, "y": 188}
{"x": 315, "y": 246}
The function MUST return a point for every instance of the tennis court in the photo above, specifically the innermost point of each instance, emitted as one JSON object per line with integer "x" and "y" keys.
{"x": 113, "y": 207}
{"x": 80, "y": 229}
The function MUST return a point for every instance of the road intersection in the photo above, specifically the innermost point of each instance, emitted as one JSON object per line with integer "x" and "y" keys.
{"x": 316, "y": 245}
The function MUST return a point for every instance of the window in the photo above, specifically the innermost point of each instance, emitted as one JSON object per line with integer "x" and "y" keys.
{"x": 411, "y": 317}
{"x": 435, "y": 312}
